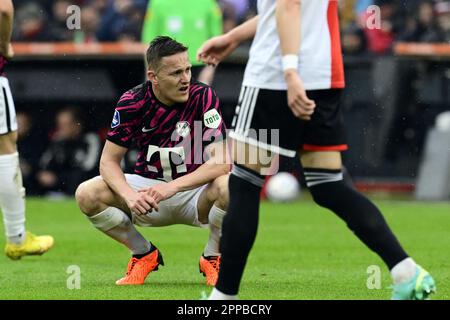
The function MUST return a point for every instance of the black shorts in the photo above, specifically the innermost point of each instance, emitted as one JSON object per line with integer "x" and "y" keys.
{"x": 263, "y": 118}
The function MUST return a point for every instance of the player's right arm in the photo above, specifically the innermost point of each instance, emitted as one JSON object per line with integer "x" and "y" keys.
{"x": 112, "y": 174}
{"x": 218, "y": 48}
{"x": 288, "y": 17}
{"x": 6, "y": 25}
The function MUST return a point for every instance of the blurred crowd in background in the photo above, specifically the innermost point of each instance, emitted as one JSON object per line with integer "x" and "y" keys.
{"x": 56, "y": 162}
{"x": 103, "y": 20}
{"x": 124, "y": 20}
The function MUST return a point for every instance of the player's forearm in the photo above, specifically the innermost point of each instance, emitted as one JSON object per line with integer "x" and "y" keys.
{"x": 112, "y": 174}
{"x": 245, "y": 31}
{"x": 288, "y": 26}
{"x": 206, "y": 173}
{"x": 6, "y": 24}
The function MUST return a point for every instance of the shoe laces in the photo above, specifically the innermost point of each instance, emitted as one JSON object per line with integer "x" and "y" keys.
{"x": 131, "y": 265}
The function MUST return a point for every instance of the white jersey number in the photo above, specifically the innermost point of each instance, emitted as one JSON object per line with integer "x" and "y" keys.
{"x": 165, "y": 158}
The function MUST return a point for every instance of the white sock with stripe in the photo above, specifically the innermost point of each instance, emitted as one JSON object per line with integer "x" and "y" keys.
{"x": 315, "y": 177}
{"x": 116, "y": 224}
{"x": 215, "y": 226}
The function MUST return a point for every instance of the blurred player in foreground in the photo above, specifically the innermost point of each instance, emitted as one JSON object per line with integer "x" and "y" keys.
{"x": 180, "y": 173}
{"x": 293, "y": 83}
{"x": 12, "y": 193}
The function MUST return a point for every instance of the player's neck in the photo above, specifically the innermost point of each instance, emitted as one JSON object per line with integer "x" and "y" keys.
{"x": 160, "y": 97}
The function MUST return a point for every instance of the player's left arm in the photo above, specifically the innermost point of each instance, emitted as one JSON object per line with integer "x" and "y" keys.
{"x": 217, "y": 165}
{"x": 6, "y": 25}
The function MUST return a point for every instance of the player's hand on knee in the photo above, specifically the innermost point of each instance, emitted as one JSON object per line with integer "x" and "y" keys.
{"x": 152, "y": 202}
{"x": 299, "y": 103}
{"x": 161, "y": 191}
{"x": 156, "y": 196}
{"x": 141, "y": 203}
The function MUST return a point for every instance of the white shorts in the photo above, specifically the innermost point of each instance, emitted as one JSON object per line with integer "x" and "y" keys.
{"x": 180, "y": 209}
{"x": 8, "y": 121}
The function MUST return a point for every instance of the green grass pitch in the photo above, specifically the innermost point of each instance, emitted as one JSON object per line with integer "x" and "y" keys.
{"x": 301, "y": 252}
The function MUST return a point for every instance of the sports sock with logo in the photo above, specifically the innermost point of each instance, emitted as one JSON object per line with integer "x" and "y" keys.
{"x": 215, "y": 219}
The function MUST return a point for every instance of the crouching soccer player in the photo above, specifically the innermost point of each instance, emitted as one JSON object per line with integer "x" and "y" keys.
{"x": 173, "y": 122}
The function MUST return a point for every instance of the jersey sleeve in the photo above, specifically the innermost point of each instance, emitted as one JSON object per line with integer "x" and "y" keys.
{"x": 125, "y": 121}
{"x": 214, "y": 128}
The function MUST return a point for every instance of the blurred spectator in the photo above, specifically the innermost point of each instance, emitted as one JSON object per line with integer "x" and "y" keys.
{"x": 380, "y": 40}
{"x": 31, "y": 24}
{"x": 235, "y": 12}
{"x": 122, "y": 19}
{"x": 241, "y": 8}
{"x": 353, "y": 40}
{"x": 443, "y": 20}
{"x": 131, "y": 31}
{"x": 58, "y": 25}
{"x": 422, "y": 26}
{"x": 347, "y": 12}
{"x": 71, "y": 157}
{"x": 229, "y": 15}
{"x": 189, "y": 22}
{"x": 99, "y": 5}
{"x": 90, "y": 20}
{"x": 30, "y": 147}
{"x": 45, "y": 4}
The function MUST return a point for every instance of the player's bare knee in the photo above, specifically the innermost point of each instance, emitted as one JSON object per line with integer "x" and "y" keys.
{"x": 88, "y": 198}
{"x": 221, "y": 185}
{"x": 211, "y": 193}
{"x": 216, "y": 193}
{"x": 82, "y": 196}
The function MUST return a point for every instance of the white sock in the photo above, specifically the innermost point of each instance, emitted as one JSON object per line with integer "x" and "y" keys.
{"x": 215, "y": 219}
{"x": 12, "y": 194}
{"x": 217, "y": 295}
{"x": 116, "y": 224}
{"x": 19, "y": 239}
{"x": 403, "y": 271}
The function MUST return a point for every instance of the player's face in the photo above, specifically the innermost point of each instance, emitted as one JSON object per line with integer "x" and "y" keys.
{"x": 66, "y": 126}
{"x": 173, "y": 78}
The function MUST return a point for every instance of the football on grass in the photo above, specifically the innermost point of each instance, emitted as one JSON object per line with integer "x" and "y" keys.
{"x": 282, "y": 187}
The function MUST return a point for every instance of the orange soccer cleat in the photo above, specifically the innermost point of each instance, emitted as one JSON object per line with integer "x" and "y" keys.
{"x": 138, "y": 269}
{"x": 209, "y": 266}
